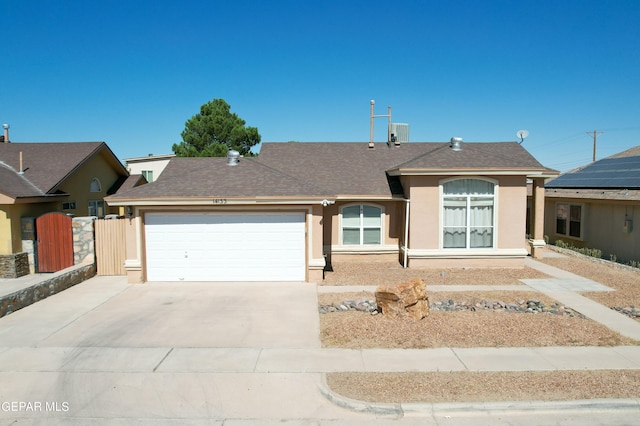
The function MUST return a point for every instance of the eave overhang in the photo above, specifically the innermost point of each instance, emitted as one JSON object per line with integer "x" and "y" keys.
{"x": 216, "y": 201}
{"x": 541, "y": 173}
{"x": 5, "y": 199}
{"x": 359, "y": 197}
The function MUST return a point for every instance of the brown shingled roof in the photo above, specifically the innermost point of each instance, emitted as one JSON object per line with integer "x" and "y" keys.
{"x": 351, "y": 168}
{"x": 631, "y": 152}
{"x": 46, "y": 165}
{"x": 210, "y": 177}
{"x": 15, "y": 185}
{"x": 474, "y": 155}
{"x": 324, "y": 169}
{"x": 343, "y": 168}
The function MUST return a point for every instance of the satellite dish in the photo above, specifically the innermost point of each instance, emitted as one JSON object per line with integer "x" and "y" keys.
{"x": 522, "y": 134}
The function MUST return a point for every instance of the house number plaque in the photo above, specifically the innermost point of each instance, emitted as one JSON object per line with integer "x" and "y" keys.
{"x": 219, "y": 201}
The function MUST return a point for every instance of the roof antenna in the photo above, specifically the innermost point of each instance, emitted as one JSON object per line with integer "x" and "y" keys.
{"x": 522, "y": 134}
{"x": 372, "y": 116}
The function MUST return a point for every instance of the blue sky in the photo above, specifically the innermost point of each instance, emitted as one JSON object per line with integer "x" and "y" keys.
{"x": 130, "y": 73}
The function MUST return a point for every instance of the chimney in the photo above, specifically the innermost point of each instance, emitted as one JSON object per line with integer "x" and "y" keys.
{"x": 6, "y": 133}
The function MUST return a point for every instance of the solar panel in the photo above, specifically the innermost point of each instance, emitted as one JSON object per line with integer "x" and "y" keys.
{"x": 623, "y": 172}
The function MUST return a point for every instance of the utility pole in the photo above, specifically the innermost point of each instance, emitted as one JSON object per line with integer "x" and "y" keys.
{"x": 595, "y": 136}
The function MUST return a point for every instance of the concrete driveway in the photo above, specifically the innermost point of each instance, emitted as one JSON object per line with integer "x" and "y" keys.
{"x": 107, "y": 352}
{"x": 107, "y": 312}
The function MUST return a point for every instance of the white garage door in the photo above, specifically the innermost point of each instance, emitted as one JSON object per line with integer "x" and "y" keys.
{"x": 225, "y": 246}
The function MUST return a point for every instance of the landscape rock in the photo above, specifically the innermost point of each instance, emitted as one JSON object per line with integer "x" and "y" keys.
{"x": 532, "y": 306}
{"x": 407, "y": 299}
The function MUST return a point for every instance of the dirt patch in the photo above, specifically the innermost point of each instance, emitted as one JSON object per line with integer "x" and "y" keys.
{"x": 349, "y": 273}
{"x": 478, "y": 387}
{"x": 357, "y": 330}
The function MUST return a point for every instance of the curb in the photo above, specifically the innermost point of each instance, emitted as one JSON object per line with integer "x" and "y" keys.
{"x": 389, "y": 410}
{"x": 449, "y": 409}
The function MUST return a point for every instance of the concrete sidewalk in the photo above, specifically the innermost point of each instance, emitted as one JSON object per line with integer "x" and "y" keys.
{"x": 309, "y": 360}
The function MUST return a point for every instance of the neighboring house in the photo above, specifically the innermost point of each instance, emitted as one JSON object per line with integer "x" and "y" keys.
{"x": 595, "y": 206}
{"x": 288, "y": 213}
{"x": 150, "y": 167}
{"x": 37, "y": 178}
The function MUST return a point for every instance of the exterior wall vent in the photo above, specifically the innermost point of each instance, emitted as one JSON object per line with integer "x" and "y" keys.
{"x": 232, "y": 157}
{"x": 456, "y": 144}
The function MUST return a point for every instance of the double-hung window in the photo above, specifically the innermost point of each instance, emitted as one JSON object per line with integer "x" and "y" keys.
{"x": 569, "y": 220}
{"x": 361, "y": 225}
{"x": 468, "y": 214}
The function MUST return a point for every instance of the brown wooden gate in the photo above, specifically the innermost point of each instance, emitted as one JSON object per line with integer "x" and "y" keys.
{"x": 55, "y": 242}
{"x": 110, "y": 246}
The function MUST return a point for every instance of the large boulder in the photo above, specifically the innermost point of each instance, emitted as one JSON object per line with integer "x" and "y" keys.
{"x": 407, "y": 299}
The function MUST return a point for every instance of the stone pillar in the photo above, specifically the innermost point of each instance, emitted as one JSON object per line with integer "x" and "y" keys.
{"x": 537, "y": 219}
{"x": 83, "y": 240}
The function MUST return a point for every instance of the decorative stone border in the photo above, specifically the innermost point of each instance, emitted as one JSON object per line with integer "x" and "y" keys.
{"x": 14, "y": 265}
{"x": 58, "y": 282}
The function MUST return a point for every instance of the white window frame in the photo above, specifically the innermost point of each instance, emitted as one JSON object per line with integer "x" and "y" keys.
{"x": 362, "y": 227}
{"x": 567, "y": 233}
{"x": 467, "y": 197}
{"x": 148, "y": 175}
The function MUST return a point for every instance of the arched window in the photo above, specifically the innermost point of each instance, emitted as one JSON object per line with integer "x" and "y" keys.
{"x": 361, "y": 224}
{"x": 96, "y": 186}
{"x": 468, "y": 213}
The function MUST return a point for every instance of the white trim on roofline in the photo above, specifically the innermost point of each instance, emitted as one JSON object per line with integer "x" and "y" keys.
{"x": 217, "y": 201}
{"x": 467, "y": 172}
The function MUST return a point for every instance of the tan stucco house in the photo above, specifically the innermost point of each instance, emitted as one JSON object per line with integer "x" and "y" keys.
{"x": 37, "y": 178}
{"x": 151, "y": 166}
{"x": 597, "y": 206}
{"x": 286, "y": 214}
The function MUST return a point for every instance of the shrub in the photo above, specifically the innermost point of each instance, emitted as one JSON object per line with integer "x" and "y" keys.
{"x": 593, "y": 252}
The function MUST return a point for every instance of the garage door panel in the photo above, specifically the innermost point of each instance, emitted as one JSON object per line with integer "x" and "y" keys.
{"x": 225, "y": 247}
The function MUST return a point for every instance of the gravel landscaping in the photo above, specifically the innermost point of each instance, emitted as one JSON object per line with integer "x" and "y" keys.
{"x": 479, "y": 319}
{"x": 482, "y": 387}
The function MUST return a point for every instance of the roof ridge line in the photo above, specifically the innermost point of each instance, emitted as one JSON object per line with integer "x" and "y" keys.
{"x": 256, "y": 160}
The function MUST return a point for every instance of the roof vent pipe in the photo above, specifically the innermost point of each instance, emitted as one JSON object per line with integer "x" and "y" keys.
{"x": 232, "y": 157}
{"x": 456, "y": 144}
{"x": 6, "y": 132}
